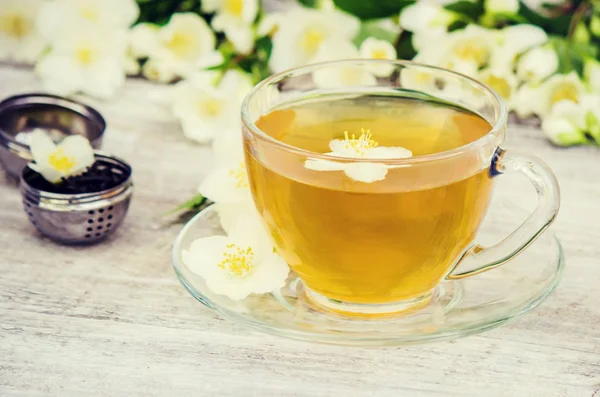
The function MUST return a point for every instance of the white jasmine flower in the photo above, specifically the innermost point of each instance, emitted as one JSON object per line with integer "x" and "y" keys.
{"x": 464, "y": 51}
{"x": 426, "y": 16}
{"x": 131, "y": 65}
{"x": 19, "y": 37}
{"x": 59, "y": 17}
{"x": 372, "y": 48}
{"x": 503, "y": 81}
{"x": 269, "y": 24}
{"x": 228, "y": 145}
{"x": 235, "y": 18}
{"x": 179, "y": 45}
{"x": 537, "y": 64}
{"x": 566, "y": 124}
{"x": 340, "y": 75}
{"x": 205, "y": 109}
{"x": 592, "y": 74}
{"x": 158, "y": 71}
{"x": 70, "y": 157}
{"x": 540, "y": 100}
{"x": 363, "y": 147}
{"x": 227, "y": 183}
{"x": 418, "y": 79}
{"x": 240, "y": 264}
{"x": 302, "y": 32}
{"x": 501, "y": 6}
{"x": 515, "y": 40}
{"x": 522, "y": 37}
{"x": 91, "y": 61}
{"x": 228, "y": 152}
{"x": 143, "y": 39}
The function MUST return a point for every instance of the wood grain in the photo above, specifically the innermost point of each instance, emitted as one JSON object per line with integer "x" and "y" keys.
{"x": 112, "y": 320}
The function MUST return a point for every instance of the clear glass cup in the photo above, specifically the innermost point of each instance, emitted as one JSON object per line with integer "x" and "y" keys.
{"x": 304, "y": 231}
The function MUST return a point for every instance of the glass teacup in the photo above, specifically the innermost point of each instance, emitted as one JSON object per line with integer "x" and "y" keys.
{"x": 373, "y": 177}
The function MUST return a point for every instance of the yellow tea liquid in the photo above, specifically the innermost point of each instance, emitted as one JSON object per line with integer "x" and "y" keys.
{"x": 375, "y": 242}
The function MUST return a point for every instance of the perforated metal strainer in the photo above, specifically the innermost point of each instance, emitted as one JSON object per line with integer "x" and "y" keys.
{"x": 79, "y": 218}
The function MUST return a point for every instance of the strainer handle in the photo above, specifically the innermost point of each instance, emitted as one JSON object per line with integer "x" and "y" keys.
{"x": 479, "y": 259}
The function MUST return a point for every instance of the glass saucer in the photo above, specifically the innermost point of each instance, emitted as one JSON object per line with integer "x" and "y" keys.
{"x": 458, "y": 308}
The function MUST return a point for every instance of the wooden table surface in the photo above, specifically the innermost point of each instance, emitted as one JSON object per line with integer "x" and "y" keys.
{"x": 112, "y": 319}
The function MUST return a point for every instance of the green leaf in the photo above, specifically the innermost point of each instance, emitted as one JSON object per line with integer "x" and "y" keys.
{"x": 457, "y": 25}
{"x": 404, "y": 46}
{"x": 264, "y": 46}
{"x": 371, "y": 9}
{"x": 471, "y": 9}
{"x": 309, "y": 3}
{"x": 558, "y": 25}
{"x": 192, "y": 204}
{"x": 372, "y": 29}
{"x": 572, "y": 56}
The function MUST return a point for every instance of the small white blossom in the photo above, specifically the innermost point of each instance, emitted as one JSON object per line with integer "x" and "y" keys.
{"x": 418, "y": 79}
{"x": 59, "y": 17}
{"x": 143, "y": 39}
{"x": 427, "y": 16}
{"x": 235, "y": 18}
{"x": 240, "y": 264}
{"x": 464, "y": 51}
{"x": 70, "y": 157}
{"x": 336, "y": 76}
{"x": 228, "y": 145}
{"x": 158, "y": 71}
{"x": 269, "y": 24}
{"x": 372, "y": 48}
{"x": 537, "y": 64}
{"x": 131, "y": 65}
{"x": 206, "y": 106}
{"x": 178, "y": 46}
{"x": 363, "y": 147}
{"x": 19, "y": 37}
{"x": 540, "y": 100}
{"x": 301, "y": 33}
{"x": 501, "y": 6}
{"x": 228, "y": 182}
{"x": 228, "y": 153}
{"x": 91, "y": 61}
{"x": 568, "y": 122}
{"x": 503, "y": 81}
{"x": 515, "y": 40}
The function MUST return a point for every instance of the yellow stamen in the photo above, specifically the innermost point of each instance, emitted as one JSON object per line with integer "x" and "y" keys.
{"x": 84, "y": 55}
{"x": 180, "y": 44}
{"x": 14, "y": 25}
{"x": 379, "y": 54}
{"x": 311, "y": 40}
{"x": 471, "y": 50}
{"x": 363, "y": 142}
{"x": 210, "y": 107}
{"x": 566, "y": 91}
{"x": 237, "y": 261}
{"x": 234, "y": 7}
{"x": 60, "y": 162}
{"x": 89, "y": 13}
{"x": 240, "y": 175}
{"x": 500, "y": 85}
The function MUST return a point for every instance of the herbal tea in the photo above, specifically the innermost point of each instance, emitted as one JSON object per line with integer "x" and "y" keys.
{"x": 383, "y": 241}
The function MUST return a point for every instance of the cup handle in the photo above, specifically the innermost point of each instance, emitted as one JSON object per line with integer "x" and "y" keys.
{"x": 479, "y": 259}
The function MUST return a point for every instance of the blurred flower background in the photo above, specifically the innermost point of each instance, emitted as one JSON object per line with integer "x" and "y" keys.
{"x": 541, "y": 56}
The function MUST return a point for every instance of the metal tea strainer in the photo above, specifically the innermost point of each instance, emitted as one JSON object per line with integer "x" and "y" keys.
{"x": 79, "y": 218}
